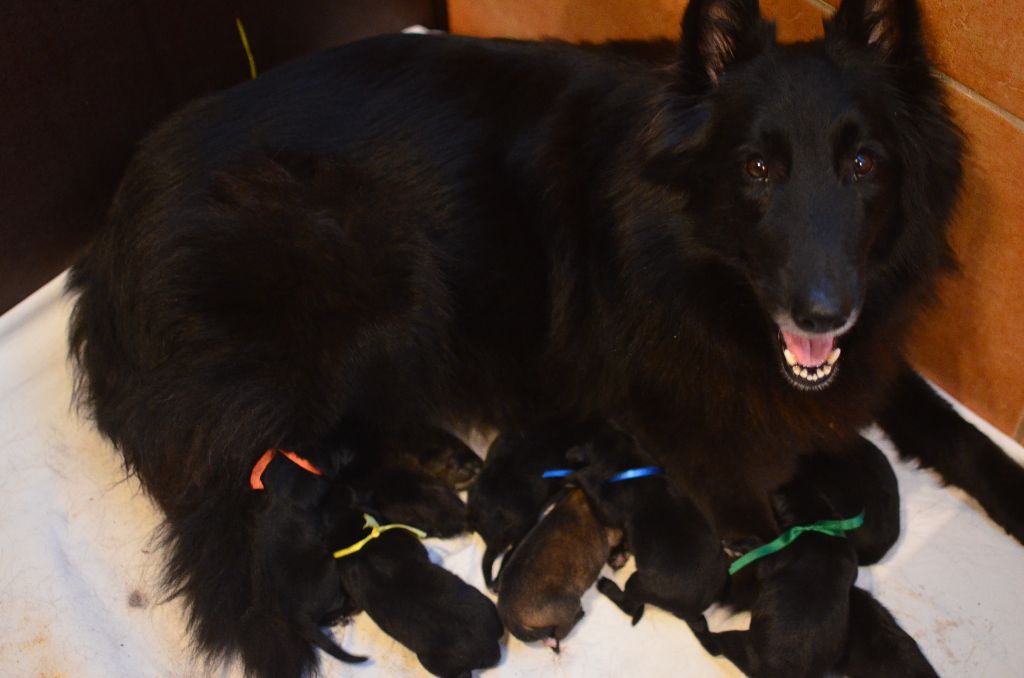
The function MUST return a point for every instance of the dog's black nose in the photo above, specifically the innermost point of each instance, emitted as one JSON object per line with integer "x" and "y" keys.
{"x": 818, "y": 312}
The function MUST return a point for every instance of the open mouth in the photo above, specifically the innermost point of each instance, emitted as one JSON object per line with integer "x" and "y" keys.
{"x": 809, "y": 361}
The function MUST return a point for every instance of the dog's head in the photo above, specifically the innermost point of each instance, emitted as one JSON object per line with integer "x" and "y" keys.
{"x": 821, "y": 171}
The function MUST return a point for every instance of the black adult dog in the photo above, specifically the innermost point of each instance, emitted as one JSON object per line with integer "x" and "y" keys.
{"x": 437, "y": 230}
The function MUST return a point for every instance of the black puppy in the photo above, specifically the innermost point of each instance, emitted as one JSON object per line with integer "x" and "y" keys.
{"x": 296, "y": 587}
{"x": 877, "y": 647}
{"x": 436, "y": 452}
{"x": 401, "y": 495}
{"x": 451, "y": 626}
{"x": 408, "y": 477}
{"x": 859, "y": 479}
{"x": 510, "y": 493}
{"x": 680, "y": 565}
{"x": 799, "y": 620}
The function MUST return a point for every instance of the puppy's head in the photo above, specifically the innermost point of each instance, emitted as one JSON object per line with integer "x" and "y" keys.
{"x": 821, "y": 173}
{"x": 415, "y": 498}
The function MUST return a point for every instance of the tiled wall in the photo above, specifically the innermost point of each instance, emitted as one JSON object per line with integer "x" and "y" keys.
{"x": 973, "y": 343}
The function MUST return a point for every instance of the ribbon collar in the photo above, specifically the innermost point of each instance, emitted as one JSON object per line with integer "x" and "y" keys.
{"x": 375, "y": 531}
{"x": 256, "y": 476}
{"x": 628, "y": 474}
{"x": 833, "y": 528}
{"x": 632, "y": 473}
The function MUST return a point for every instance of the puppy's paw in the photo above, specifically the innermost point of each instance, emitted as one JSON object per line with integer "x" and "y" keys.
{"x": 734, "y": 548}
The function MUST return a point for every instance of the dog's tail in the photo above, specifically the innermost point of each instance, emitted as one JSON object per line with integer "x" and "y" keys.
{"x": 877, "y": 647}
{"x": 925, "y": 427}
{"x": 272, "y": 646}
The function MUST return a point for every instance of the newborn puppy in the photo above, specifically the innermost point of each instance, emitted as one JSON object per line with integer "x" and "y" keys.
{"x": 398, "y": 495}
{"x": 680, "y": 566}
{"x": 877, "y": 647}
{"x": 510, "y": 493}
{"x": 799, "y": 620}
{"x": 437, "y": 453}
{"x": 296, "y": 587}
{"x": 392, "y": 486}
{"x": 860, "y": 479}
{"x": 451, "y": 626}
{"x": 559, "y": 559}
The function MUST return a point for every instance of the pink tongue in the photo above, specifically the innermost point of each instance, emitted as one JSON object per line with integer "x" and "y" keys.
{"x": 809, "y": 351}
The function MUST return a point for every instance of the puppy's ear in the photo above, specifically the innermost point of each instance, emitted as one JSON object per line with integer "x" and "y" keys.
{"x": 889, "y": 30}
{"x": 715, "y": 35}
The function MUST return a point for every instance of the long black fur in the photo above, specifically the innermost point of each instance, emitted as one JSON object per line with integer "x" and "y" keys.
{"x": 433, "y": 231}
{"x": 296, "y": 585}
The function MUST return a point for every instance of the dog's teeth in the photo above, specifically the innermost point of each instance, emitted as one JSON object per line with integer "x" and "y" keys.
{"x": 833, "y": 356}
{"x": 788, "y": 355}
{"x": 796, "y": 370}
{"x": 803, "y": 373}
{"x": 819, "y": 373}
{"x": 827, "y": 369}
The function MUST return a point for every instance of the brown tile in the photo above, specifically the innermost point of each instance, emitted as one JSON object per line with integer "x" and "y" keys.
{"x": 566, "y": 19}
{"x": 981, "y": 44}
{"x": 973, "y": 343}
{"x": 606, "y": 19}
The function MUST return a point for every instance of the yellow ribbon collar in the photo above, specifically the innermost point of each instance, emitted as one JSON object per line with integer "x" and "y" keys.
{"x": 375, "y": 531}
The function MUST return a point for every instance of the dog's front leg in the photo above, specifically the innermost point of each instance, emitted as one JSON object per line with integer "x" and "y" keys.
{"x": 925, "y": 427}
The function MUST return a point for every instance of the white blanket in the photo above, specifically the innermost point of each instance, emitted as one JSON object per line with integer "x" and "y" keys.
{"x": 79, "y": 573}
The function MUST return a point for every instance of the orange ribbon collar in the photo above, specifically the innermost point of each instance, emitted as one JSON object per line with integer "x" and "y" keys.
{"x": 256, "y": 477}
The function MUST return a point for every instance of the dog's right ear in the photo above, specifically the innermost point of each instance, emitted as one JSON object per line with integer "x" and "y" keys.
{"x": 715, "y": 35}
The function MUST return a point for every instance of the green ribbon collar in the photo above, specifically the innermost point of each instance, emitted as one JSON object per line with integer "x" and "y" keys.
{"x": 833, "y": 528}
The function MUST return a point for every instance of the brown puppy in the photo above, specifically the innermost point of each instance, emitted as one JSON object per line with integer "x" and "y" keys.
{"x": 559, "y": 559}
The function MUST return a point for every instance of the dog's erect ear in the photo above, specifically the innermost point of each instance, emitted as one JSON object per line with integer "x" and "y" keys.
{"x": 888, "y": 29}
{"x": 716, "y": 34}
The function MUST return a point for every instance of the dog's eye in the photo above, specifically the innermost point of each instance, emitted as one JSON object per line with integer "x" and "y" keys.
{"x": 757, "y": 168}
{"x": 863, "y": 163}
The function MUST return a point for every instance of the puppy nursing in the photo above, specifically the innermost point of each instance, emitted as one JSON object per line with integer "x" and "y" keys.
{"x": 510, "y": 493}
{"x": 807, "y": 616}
{"x": 680, "y": 565}
{"x": 540, "y": 589}
{"x": 451, "y": 626}
{"x": 321, "y": 555}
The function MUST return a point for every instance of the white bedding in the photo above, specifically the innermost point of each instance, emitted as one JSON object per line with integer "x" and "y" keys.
{"x": 79, "y": 576}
